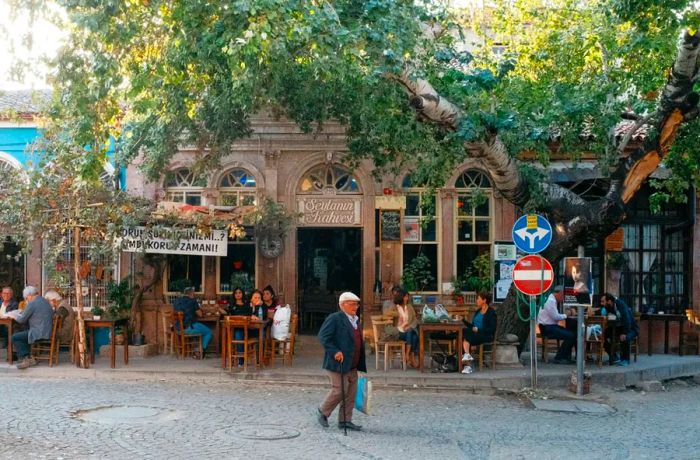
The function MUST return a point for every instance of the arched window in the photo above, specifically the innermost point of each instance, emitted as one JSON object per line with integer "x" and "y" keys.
{"x": 420, "y": 231}
{"x": 473, "y": 218}
{"x": 8, "y": 165}
{"x": 329, "y": 179}
{"x": 183, "y": 186}
{"x": 237, "y": 187}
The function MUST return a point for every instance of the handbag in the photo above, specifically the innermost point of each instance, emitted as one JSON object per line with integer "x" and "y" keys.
{"x": 363, "y": 397}
{"x": 390, "y": 333}
{"x": 445, "y": 362}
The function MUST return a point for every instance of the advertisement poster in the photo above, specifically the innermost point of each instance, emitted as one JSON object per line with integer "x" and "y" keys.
{"x": 504, "y": 256}
{"x": 578, "y": 282}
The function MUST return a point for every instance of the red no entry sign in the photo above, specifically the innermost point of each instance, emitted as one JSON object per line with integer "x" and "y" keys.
{"x": 533, "y": 275}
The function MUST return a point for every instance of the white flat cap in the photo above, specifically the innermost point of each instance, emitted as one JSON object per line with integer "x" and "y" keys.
{"x": 345, "y": 296}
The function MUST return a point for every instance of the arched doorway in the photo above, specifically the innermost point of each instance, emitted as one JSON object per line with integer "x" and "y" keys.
{"x": 329, "y": 241}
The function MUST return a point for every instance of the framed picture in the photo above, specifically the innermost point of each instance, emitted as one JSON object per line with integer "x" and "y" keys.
{"x": 390, "y": 225}
{"x": 411, "y": 229}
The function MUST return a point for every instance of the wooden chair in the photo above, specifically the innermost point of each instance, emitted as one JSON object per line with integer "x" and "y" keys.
{"x": 481, "y": 350}
{"x": 47, "y": 350}
{"x": 250, "y": 345}
{"x": 286, "y": 347}
{"x": 183, "y": 342}
{"x": 389, "y": 348}
{"x": 691, "y": 337}
{"x": 545, "y": 342}
{"x": 167, "y": 321}
{"x": 596, "y": 344}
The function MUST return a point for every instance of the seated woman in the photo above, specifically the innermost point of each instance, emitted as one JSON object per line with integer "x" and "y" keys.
{"x": 237, "y": 305}
{"x": 481, "y": 329}
{"x": 406, "y": 323}
{"x": 269, "y": 301}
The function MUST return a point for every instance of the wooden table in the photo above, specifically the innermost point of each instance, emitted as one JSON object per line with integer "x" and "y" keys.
{"x": 258, "y": 325}
{"x": 92, "y": 324}
{"x": 448, "y": 326}
{"x": 650, "y": 318}
{"x": 8, "y": 322}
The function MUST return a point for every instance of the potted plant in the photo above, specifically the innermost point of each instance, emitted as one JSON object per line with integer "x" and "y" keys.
{"x": 417, "y": 274}
{"x": 478, "y": 276}
{"x": 459, "y": 285}
{"x": 615, "y": 261}
{"x": 97, "y": 312}
{"x": 119, "y": 296}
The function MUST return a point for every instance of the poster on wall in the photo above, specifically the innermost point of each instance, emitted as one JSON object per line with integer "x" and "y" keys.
{"x": 504, "y": 257}
{"x": 578, "y": 282}
{"x": 411, "y": 229}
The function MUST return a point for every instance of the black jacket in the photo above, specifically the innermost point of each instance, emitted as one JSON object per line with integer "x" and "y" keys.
{"x": 626, "y": 317}
{"x": 336, "y": 335}
{"x": 488, "y": 328}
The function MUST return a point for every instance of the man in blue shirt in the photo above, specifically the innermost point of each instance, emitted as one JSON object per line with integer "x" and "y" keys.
{"x": 191, "y": 311}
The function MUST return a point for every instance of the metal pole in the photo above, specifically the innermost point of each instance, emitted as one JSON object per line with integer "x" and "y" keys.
{"x": 533, "y": 345}
{"x": 580, "y": 334}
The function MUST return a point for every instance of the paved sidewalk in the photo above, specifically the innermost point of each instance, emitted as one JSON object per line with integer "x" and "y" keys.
{"x": 307, "y": 371}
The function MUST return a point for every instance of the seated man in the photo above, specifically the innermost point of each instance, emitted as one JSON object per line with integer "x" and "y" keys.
{"x": 67, "y": 314}
{"x": 191, "y": 311}
{"x": 548, "y": 319}
{"x": 39, "y": 316}
{"x": 626, "y": 325}
{"x": 7, "y": 305}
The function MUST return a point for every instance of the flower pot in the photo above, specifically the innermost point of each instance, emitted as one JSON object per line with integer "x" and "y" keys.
{"x": 96, "y": 317}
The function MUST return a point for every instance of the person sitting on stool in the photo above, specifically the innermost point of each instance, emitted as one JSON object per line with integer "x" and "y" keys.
{"x": 548, "y": 319}
{"x": 481, "y": 329}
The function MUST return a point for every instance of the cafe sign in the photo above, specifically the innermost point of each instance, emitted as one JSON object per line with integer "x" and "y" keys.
{"x": 321, "y": 211}
{"x": 171, "y": 241}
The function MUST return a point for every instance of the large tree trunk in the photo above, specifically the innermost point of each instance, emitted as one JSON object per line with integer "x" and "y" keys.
{"x": 82, "y": 360}
{"x": 136, "y": 314}
{"x": 574, "y": 220}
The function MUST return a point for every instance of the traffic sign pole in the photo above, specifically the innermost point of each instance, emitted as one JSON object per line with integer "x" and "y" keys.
{"x": 533, "y": 343}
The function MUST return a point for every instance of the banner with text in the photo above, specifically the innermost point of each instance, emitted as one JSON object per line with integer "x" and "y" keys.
{"x": 162, "y": 241}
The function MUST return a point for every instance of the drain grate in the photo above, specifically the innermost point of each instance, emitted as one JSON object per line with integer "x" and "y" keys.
{"x": 125, "y": 415}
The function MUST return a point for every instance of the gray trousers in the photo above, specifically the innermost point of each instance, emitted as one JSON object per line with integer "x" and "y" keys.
{"x": 334, "y": 397}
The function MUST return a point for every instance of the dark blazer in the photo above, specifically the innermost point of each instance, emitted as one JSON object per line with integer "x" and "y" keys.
{"x": 336, "y": 335}
{"x": 626, "y": 318}
{"x": 39, "y": 315}
{"x": 489, "y": 325}
{"x": 13, "y": 305}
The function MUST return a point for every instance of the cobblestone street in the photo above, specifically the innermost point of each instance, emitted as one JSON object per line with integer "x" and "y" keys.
{"x": 42, "y": 418}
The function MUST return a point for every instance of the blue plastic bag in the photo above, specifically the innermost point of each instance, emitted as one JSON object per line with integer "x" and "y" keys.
{"x": 363, "y": 397}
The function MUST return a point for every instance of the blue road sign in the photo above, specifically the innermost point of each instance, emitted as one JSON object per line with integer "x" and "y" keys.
{"x": 532, "y": 233}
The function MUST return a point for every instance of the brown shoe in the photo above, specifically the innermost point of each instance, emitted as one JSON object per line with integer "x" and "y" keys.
{"x": 24, "y": 364}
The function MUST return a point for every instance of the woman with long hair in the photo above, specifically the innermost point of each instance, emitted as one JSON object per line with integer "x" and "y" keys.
{"x": 406, "y": 323}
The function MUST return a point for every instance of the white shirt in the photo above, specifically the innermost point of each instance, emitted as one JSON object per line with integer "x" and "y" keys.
{"x": 353, "y": 320}
{"x": 549, "y": 315}
{"x": 3, "y": 310}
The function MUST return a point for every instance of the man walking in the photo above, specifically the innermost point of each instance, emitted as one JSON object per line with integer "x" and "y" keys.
{"x": 39, "y": 316}
{"x": 341, "y": 337}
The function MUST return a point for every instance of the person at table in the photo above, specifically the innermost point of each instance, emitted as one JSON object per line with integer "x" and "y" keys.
{"x": 388, "y": 304}
{"x": 406, "y": 323}
{"x": 191, "y": 311}
{"x": 482, "y": 327}
{"x": 39, "y": 316}
{"x": 344, "y": 355}
{"x": 67, "y": 314}
{"x": 627, "y": 326}
{"x": 548, "y": 320}
{"x": 237, "y": 305}
{"x": 8, "y": 304}
{"x": 269, "y": 301}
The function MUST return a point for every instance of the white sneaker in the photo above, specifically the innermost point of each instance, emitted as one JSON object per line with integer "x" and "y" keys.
{"x": 467, "y": 370}
{"x": 467, "y": 357}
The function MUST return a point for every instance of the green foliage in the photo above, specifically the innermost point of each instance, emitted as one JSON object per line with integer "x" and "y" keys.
{"x": 97, "y": 311}
{"x": 615, "y": 261}
{"x": 119, "y": 297}
{"x": 272, "y": 218}
{"x": 417, "y": 274}
{"x": 179, "y": 285}
{"x": 478, "y": 276}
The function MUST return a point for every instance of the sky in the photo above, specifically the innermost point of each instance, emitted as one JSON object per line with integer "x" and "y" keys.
{"x": 14, "y": 48}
